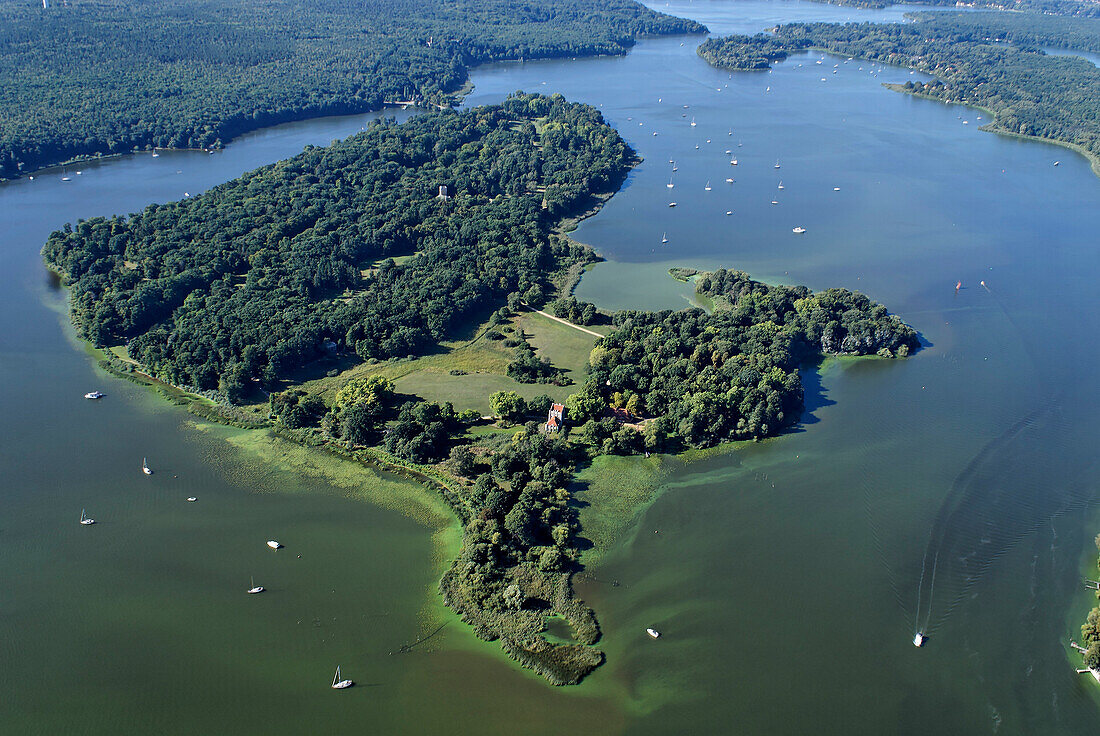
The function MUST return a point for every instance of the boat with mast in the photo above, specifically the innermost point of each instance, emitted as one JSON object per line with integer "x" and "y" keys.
{"x": 255, "y": 588}
{"x": 145, "y": 466}
{"x": 85, "y": 520}
{"x": 337, "y": 683}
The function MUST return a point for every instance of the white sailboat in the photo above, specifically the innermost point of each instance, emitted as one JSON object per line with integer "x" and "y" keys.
{"x": 777, "y": 163}
{"x": 707, "y": 187}
{"x": 255, "y": 588}
{"x": 664, "y": 238}
{"x": 780, "y": 184}
{"x": 733, "y": 162}
{"x": 155, "y": 154}
{"x": 85, "y": 520}
{"x": 693, "y": 121}
{"x": 670, "y": 185}
{"x": 337, "y": 683}
{"x": 145, "y": 466}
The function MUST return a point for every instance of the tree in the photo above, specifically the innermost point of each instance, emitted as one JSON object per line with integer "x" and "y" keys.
{"x": 508, "y": 405}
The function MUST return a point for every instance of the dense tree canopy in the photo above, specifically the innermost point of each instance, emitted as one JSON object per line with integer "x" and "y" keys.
{"x": 733, "y": 374}
{"x": 89, "y": 77}
{"x": 289, "y": 262}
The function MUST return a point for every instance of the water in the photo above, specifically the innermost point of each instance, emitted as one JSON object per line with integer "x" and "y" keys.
{"x": 786, "y": 575}
{"x": 1092, "y": 58}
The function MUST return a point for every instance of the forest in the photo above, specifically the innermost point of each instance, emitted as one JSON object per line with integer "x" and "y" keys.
{"x": 747, "y": 53}
{"x": 97, "y": 77}
{"x": 704, "y": 379}
{"x": 990, "y": 60}
{"x": 291, "y": 262}
{"x": 1090, "y": 631}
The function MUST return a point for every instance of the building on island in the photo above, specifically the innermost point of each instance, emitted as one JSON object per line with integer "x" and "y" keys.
{"x": 556, "y": 418}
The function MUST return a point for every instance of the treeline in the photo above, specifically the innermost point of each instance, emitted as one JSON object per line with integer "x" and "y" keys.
{"x": 94, "y": 77}
{"x": 1090, "y": 631}
{"x": 747, "y": 53}
{"x": 294, "y": 261}
{"x": 1073, "y": 8}
{"x": 703, "y": 379}
{"x": 970, "y": 56}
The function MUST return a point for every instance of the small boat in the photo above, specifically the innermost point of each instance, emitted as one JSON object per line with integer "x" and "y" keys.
{"x": 776, "y": 164}
{"x": 145, "y": 467}
{"x": 653, "y": 633}
{"x": 739, "y": 144}
{"x": 670, "y": 185}
{"x": 337, "y": 683}
{"x": 707, "y": 187}
{"x": 671, "y": 204}
{"x": 675, "y": 167}
{"x": 94, "y": 395}
{"x": 1057, "y": 162}
{"x": 85, "y": 520}
{"x": 693, "y": 124}
{"x": 780, "y": 184}
{"x": 798, "y": 230}
{"x": 255, "y": 588}
{"x": 729, "y": 212}
{"x": 836, "y": 189}
{"x": 918, "y": 640}
{"x": 958, "y": 285}
{"x": 664, "y": 238}
{"x": 730, "y": 132}
{"x": 191, "y": 499}
{"x": 775, "y": 201}
{"x": 273, "y": 544}
{"x": 729, "y": 179}
{"x": 155, "y": 154}
{"x": 733, "y": 162}
{"x": 66, "y": 178}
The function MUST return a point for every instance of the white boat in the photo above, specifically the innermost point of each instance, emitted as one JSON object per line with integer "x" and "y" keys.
{"x": 729, "y": 212}
{"x": 798, "y": 230}
{"x": 94, "y": 395}
{"x": 255, "y": 588}
{"x": 670, "y": 185}
{"x": 1057, "y": 162}
{"x": 145, "y": 466}
{"x": 776, "y": 163}
{"x": 653, "y": 633}
{"x": 780, "y": 184}
{"x": 191, "y": 499}
{"x": 775, "y": 201}
{"x": 85, "y": 520}
{"x": 733, "y": 162}
{"x": 273, "y": 544}
{"x": 693, "y": 122}
{"x": 671, "y": 204}
{"x": 337, "y": 683}
{"x": 155, "y": 154}
{"x": 66, "y": 178}
{"x": 836, "y": 189}
{"x": 664, "y": 238}
{"x": 707, "y": 187}
{"x": 729, "y": 179}
{"x": 918, "y": 640}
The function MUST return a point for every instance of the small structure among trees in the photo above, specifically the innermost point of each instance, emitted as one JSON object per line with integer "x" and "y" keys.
{"x": 555, "y": 418}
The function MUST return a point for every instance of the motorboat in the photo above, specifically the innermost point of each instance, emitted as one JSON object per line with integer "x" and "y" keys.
{"x": 273, "y": 544}
{"x": 918, "y": 640}
{"x": 94, "y": 395}
{"x": 798, "y": 230}
{"x": 653, "y": 633}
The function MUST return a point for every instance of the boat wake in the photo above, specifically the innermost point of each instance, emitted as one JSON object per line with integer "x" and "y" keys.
{"x": 1005, "y": 493}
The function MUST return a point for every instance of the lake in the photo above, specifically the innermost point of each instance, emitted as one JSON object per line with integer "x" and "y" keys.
{"x": 953, "y": 492}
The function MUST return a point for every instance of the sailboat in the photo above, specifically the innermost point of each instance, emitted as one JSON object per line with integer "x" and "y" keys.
{"x": 145, "y": 466}
{"x": 693, "y": 121}
{"x": 155, "y": 154}
{"x": 707, "y": 187}
{"x": 337, "y": 683}
{"x": 65, "y": 176}
{"x": 733, "y": 162}
{"x": 255, "y": 588}
{"x": 670, "y": 184}
{"x": 664, "y": 238}
{"x": 777, "y": 163}
{"x": 85, "y": 520}
{"x": 780, "y": 184}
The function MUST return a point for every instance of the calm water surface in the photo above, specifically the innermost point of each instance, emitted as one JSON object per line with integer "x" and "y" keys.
{"x": 951, "y": 492}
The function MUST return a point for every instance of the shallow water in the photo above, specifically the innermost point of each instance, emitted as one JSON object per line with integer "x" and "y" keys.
{"x": 786, "y": 575}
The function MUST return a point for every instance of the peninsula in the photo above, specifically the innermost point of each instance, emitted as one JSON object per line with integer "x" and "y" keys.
{"x": 300, "y": 295}
{"x": 989, "y": 60}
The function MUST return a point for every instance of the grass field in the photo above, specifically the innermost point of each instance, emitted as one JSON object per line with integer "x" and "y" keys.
{"x": 484, "y": 363}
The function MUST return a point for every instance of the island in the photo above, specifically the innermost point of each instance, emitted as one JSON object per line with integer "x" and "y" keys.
{"x": 345, "y": 298}
{"x": 1090, "y": 632}
{"x": 87, "y": 78}
{"x": 990, "y": 60}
